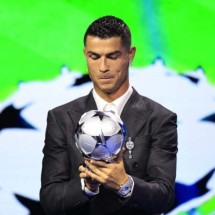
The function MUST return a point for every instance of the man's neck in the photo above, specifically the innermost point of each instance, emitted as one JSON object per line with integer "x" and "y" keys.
{"x": 111, "y": 96}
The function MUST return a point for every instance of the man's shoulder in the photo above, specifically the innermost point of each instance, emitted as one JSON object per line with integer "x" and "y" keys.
{"x": 74, "y": 104}
{"x": 152, "y": 105}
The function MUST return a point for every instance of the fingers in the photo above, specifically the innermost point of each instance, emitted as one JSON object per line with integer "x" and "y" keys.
{"x": 103, "y": 164}
{"x": 82, "y": 171}
{"x": 90, "y": 182}
{"x": 95, "y": 166}
{"x": 81, "y": 168}
{"x": 97, "y": 170}
{"x": 94, "y": 177}
{"x": 87, "y": 173}
{"x": 96, "y": 163}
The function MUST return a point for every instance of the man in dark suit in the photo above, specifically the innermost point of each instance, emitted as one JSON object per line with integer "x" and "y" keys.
{"x": 141, "y": 178}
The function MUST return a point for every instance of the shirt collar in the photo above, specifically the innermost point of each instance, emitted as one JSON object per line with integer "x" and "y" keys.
{"x": 119, "y": 102}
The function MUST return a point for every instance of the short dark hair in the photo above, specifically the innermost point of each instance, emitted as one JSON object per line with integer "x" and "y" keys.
{"x": 107, "y": 27}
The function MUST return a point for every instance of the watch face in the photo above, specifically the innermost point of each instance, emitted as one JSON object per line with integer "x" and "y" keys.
{"x": 125, "y": 189}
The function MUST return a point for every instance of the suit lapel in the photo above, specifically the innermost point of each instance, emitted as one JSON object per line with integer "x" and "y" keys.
{"x": 135, "y": 114}
{"x": 85, "y": 105}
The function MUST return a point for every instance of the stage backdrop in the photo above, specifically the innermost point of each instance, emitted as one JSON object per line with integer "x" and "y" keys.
{"x": 42, "y": 66}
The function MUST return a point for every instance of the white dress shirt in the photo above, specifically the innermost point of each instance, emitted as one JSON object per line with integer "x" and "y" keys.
{"x": 118, "y": 103}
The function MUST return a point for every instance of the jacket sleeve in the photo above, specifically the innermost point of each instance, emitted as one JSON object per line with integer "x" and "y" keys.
{"x": 156, "y": 191}
{"x": 61, "y": 188}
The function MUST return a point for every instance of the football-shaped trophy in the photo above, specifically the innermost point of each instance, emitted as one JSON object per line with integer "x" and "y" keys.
{"x": 100, "y": 135}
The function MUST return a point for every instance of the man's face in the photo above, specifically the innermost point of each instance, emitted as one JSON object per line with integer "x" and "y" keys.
{"x": 108, "y": 62}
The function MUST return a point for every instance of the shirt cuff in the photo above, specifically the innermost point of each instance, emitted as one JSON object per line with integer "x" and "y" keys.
{"x": 87, "y": 191}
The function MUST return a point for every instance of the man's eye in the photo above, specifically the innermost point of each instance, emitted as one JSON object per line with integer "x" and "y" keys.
{"x": 94, "y": 57}
{"x": 113, "y": 56}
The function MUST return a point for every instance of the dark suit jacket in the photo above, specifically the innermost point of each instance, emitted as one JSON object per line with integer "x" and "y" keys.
{"x": 153, "y": 130}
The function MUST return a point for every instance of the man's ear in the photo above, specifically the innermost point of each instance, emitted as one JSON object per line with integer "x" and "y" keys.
{"x": 132, "y": 54}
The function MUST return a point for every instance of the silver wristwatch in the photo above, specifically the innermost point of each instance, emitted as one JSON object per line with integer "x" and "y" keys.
{"x": 125, "y": 189}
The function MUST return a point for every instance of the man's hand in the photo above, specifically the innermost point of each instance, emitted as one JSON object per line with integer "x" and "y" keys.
{"x": 90, "y": 183}
{"x": 111, "y": 175}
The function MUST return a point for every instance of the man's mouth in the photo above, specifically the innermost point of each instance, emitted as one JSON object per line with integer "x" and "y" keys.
{"x": 106, "y": 77}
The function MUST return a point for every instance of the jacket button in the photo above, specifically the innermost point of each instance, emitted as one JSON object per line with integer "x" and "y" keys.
{"x": 135, "y": 165}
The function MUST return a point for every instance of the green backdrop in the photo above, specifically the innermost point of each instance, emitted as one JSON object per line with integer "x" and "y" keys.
{"x": 37, "y": 37}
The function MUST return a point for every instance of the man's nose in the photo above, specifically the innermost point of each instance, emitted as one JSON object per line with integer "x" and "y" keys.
{"x": 103, "y": 65}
